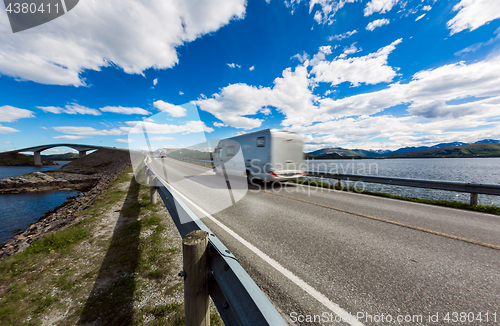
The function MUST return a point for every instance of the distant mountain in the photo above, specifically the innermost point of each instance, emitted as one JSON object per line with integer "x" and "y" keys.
{"x": 328, "y": 153}
{"x": 61, "y": 157}
{"x": 488, "y": 141}
{"x": 472, "y": 150}
{"x": 422, "y": 148}
{"x": 344, "y": 152}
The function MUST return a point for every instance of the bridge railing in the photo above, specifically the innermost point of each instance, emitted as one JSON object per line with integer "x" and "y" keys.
{"x": 473, "y": 188}
{"x": 237, "y": 298}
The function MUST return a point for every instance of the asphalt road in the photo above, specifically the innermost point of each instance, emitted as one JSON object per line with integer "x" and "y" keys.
{"x": 371, "y": 257}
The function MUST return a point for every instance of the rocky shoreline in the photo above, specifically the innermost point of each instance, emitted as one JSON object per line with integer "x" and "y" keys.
{"x": 46, "y": 181}
{"x": 90, "y": 174}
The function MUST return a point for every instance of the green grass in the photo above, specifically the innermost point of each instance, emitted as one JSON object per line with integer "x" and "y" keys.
{"x": 454, "y": 204}
{"x": 57, "y": 241}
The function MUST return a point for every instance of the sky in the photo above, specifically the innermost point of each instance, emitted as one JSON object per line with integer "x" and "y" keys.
{"x": 371, "y": 74}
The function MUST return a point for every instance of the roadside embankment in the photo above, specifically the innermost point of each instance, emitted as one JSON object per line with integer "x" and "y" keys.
{"x": 90, "y": 174}
{"x": 115, "y": 264}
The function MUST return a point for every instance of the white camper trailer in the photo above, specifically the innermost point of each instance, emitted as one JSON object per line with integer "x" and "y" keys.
{"x": 268, "y": 155}
{"x": 162, "y": 153}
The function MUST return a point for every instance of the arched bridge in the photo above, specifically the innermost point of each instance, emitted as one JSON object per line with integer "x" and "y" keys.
{"x": 82, "y": 150}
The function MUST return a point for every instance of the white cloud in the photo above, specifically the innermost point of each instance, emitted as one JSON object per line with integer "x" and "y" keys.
{"x": 123, "y": 141}
{"x": 428, "y": 93}
{"x": 471, "y": 48}
{"x": 476, "y": 46}
{"x": 124, "y": 110}
{"x": 363, "y": 132}
{"x": 7, "y": 130}
{"x": 340, "y": 37}
{"x": 181, "y": 93}
{"x": 72, "y": 108}
{"x": 174, "y": 110}
{"x": 369, "y": 69}
{"x": 439, "y": 109}
{"x": 291, "y": 95}
{"x": 70, "y": 137}
{"x": 11, "y": 114}
{"x": 321, "y": 55}
{"x": 51, "y": 109}
{"x": 252, "y": 68}
{"x": 377, "y": 23}
{"x": 419, "y": 17}
{"x": 350, "y": 50}
{"x": 233, "y": 65}
{"x": 473, "y": 14}
{"x": 160, "y": 138}
{"x": 301, "y": 57}
{"x": 219, "y": 124}
{"x": 328, "y": 9}
{"x": 381, "y": 6}
{"x": 89, "y": 131}
{"x": 158, "y": 128}
{"x": 427, "y": 8}
{"x": 155, "y": 81}
{"x": 133, "y": 35}
{"x": 234, "y": 102}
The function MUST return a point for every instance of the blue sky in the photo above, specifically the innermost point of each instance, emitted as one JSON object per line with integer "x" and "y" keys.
{"x": 372, "y": 74}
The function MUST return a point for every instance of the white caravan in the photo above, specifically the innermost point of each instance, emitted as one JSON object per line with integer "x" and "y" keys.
{"x": 268, "y": 155}
{"x": 162, "y": 153}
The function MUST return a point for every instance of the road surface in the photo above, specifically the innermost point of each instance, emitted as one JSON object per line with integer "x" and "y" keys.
{"x": 319, "y": 253}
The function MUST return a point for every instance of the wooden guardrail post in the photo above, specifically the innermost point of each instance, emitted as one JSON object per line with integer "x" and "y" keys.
{"x": 473, "y": 199}
{"x": 152, "y": 190}
{"x": 195, "y": 261}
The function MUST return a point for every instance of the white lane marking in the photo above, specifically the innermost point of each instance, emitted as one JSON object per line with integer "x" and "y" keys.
{"x": 64, "y": 6}
{"x": 347, "y": 317}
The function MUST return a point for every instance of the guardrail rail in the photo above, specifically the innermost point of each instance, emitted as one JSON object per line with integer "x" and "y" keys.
{"x": 237, "y": 298}
{"x": 473, "y": 188}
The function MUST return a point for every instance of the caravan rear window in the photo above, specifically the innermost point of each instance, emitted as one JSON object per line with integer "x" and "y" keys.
{"x": 261, "y": 141}
{"x": 230, "y": 151}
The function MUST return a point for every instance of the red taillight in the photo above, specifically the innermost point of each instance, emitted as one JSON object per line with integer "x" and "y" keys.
{"x": 273, "y": 174}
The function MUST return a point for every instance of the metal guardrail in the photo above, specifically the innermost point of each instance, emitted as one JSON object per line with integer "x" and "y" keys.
{"x": 207, "y": 163}
{"x": 473, "y": 188}
{"x": 237, "y": 298}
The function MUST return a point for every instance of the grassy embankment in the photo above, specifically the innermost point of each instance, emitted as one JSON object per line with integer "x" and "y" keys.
{"x": 117, "y": 265}
{"x": 18, "y": 159}
{"x": 454, "y": 204}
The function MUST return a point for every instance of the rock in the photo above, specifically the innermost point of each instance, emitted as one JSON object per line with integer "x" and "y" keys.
{"x": 23, "y": 246}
